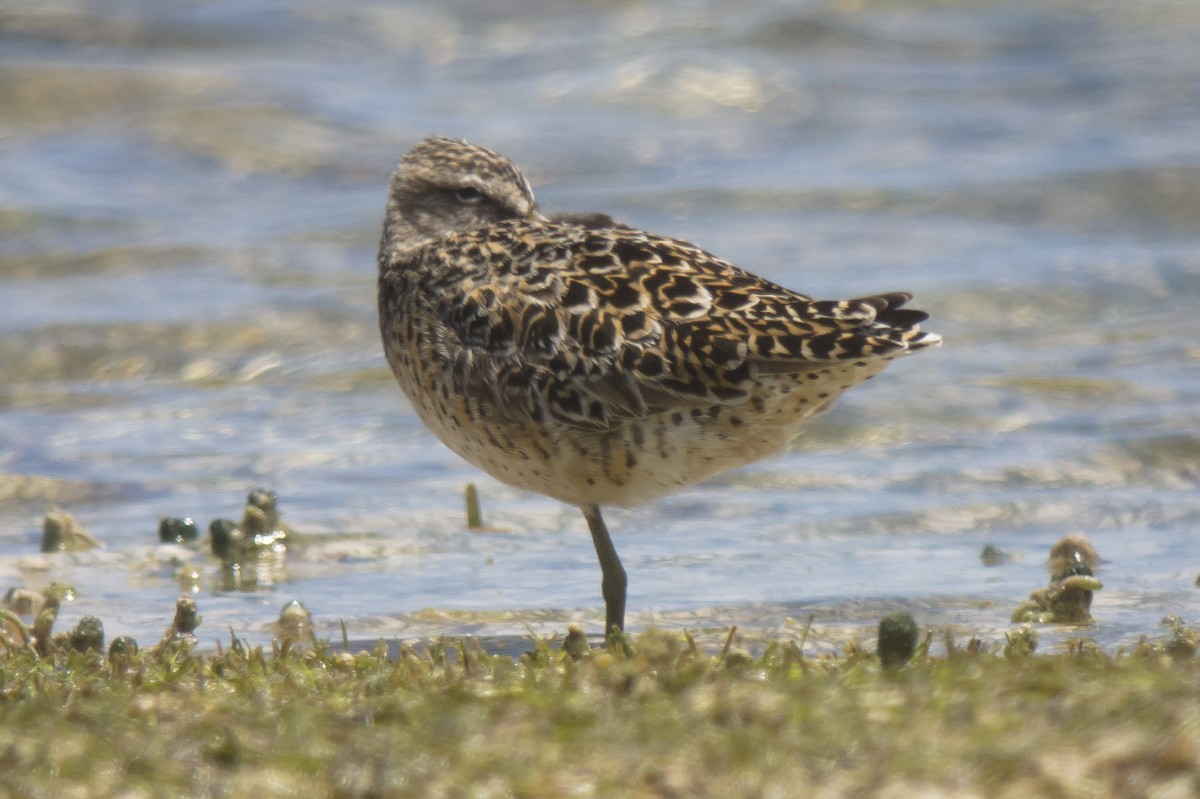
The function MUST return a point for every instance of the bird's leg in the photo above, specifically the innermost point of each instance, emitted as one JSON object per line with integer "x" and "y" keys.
{"x": 613, "y": 580}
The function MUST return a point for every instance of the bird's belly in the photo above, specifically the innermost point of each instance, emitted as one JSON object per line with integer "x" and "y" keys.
{"x": 630, "y": 464}
{"x": 635, "y": 461}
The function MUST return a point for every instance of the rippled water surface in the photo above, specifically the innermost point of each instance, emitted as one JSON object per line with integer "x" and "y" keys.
{"x": 190, "y": 200}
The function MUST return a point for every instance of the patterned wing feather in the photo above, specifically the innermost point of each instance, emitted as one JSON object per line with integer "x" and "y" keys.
{"x": 588, "y": 325}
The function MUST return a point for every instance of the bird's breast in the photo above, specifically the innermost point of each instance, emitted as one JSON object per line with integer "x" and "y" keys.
{"x": 630, "y": 462}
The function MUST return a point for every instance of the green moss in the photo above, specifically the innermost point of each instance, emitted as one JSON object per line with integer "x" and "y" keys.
{"x": 662, "y": 719}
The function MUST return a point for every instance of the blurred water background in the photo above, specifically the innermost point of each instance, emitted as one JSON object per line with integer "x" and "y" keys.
{"x": 190, "y": 202}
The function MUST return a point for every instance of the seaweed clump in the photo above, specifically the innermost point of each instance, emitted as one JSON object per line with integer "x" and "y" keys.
{"x": 652, "y": 714}
{"x": 1072, "y": 564}
{"x": 253, "y": 552}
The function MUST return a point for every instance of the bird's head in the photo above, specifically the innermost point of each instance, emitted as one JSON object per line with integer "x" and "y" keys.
{"x": 445, "y": 186}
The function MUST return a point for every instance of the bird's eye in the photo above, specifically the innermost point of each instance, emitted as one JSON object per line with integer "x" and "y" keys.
{"x": 468, "y": 194}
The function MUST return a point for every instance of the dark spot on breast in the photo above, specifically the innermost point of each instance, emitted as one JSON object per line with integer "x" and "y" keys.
{"x": 669, "y": 257}
{"x": 604, "y": 337}
{"x": 681, "y": 287}
{"x": 602, "y": 284}
{"x": 597, "y": 262}
{"x": 577, "y": 294}
{"x": 633, "y": 322}
{"x": 630, "y": 252}
{"x": 651, "y": 365}
{"x": 688, "y": 309}
{"x": 468, "y": 309}
{"x": 794, "y": 345}
{"x": 822, "y": 346}
{"x": 655, "y": 281}
{"x": 500, "y": 335}
{"x": 732, "y": 302}
{"x": 624, "y": 296}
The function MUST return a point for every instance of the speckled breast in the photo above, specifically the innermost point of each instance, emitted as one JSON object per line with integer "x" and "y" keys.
{"x": 632, "y": 462}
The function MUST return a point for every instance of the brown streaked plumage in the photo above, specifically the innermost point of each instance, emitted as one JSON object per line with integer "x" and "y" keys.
{"x": 593, "y": 362}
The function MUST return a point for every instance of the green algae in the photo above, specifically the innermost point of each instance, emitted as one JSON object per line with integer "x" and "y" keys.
{"x": 654, "y": 716}
{"x": 657, "y": 714}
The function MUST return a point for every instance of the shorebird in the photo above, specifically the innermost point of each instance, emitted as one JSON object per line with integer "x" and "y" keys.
{"x": 595, "y": 363}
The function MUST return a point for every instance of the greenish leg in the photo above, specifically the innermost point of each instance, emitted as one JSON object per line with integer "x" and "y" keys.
{"x": 613, "y": 581}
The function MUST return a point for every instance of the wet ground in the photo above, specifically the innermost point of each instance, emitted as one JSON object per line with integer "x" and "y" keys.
{"x": 190, "y": 200}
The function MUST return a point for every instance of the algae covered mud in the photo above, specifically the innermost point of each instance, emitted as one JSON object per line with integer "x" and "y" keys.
{"x": 655, "y": 716}
{"x": 190, "y": 202}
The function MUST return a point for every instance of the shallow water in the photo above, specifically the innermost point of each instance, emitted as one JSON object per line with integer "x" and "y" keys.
{"x": 190, "y": 199}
